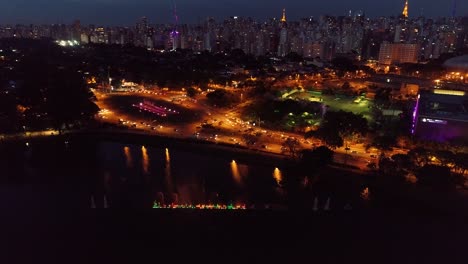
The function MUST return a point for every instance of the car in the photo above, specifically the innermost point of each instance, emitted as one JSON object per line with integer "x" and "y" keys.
{"x": 373, "y": 156}
{"x": 153, "y": 128}
{"x": 355, "y": 152}
{"x": 264, "y": 146}
{"x": 347, "y": 148}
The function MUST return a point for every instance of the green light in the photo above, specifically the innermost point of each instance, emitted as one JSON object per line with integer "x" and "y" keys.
{"x": 157, "y": 205}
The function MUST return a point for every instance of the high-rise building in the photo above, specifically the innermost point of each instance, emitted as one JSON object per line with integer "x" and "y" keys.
{"x": 175, "y": 35}
{"x": 313, "y": 50}
{"x": 405, "y": 10}
{"x": 283, "y": 18}
{"x": 76, "y": 30}
{"x": 395, "y": 53}
{"x": 141, "y": 32}
{"x": 283, "y": 41}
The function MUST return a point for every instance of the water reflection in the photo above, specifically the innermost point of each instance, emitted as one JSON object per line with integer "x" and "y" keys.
{"x": 128, "y": 157}
{"x": 365, "y": 194}
{"x": 235, "y": 172}
{"x": 168, "y": 157}
{"x": 107, "y": 181}
{"x": 145, "y": 160}
{"x": 277, "y": 176}
{"x": 167, "y": 171}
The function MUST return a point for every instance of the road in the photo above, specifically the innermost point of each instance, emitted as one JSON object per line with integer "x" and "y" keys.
{"x": 227, "y": 125}
{"x": 28, "y": 134}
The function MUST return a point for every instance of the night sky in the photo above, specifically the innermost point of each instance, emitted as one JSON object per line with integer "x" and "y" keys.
{"x": 126, "y": 12}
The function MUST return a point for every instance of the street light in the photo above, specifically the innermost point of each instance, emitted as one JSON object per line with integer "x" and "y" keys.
{"x": 110, "y": 83}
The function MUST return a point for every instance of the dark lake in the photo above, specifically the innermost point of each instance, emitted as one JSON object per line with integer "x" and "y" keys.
{"x": 83, "y": 173}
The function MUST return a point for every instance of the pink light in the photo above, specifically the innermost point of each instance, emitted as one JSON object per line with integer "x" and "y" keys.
{"x": 415, "y": 113}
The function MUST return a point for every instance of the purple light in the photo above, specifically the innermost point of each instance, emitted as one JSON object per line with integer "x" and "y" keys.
{"x": 415, "y": 113}
{"x": 434, "y": 121}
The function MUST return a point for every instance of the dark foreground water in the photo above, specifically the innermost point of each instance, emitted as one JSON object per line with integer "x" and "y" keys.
{"x": 47, "y": 175}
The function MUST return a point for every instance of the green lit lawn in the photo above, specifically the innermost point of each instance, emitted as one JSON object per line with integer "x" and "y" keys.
{"x": 340, "y": 102}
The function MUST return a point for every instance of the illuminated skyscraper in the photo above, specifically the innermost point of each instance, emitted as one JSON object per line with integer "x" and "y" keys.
{"x": 283, "y": 18}
{"x": 283, "y": 41}
{"x": 405, "y": 10}
{"x": 141, "y": 32}
{"x": 175, "y": 39}
{"x": 454, "y": 9}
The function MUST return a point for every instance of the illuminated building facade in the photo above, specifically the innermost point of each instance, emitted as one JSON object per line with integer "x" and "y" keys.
{"x": 283, "y": 47}
{"x": 395, "y": 53}
{"x": 441, "y": 116}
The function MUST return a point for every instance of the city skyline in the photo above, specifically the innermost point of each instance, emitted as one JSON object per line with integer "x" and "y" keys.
{"x": 125, "y": 12}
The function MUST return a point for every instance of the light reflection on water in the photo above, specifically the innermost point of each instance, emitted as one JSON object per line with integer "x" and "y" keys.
{"x": 167, "y": 171}
{"x": 168, "y": 157}
{"x": 128, "y": 157}
{"x": 145, "y": 160}
{"x": 277, "y": 176}
{"x": 164, "y": 175}
{"x": 235, "y": 172}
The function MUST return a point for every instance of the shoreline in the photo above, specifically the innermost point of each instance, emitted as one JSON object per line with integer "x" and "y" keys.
{"x": 229, "y": 151}
{"x": 238, "y": 153}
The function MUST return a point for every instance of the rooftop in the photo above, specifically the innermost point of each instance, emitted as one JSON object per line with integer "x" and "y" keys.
{"x": 444, "y": 106}
{"x": 460, "y": 62}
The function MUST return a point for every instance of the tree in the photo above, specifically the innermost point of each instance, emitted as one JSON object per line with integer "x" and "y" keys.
{"x": 250, "y": 139}
{"x": 53, "y": 86}
{"x": 192, "y": 92}
{"x": 382, "y": 96}
{"x": 333, "y": 140}
{"x": 437, "y": 177}
{"x": 319, "y": 157}
{"x": 221, "y": 98}
{"x": 343, "y": 64}
{"x": 419, "y": 155}
{"x": 402, "y": 162}
{"x": 346, "y": 86}
{"x": 291, "y": 146}
{"x": 68, "y": 100}
{"x": 445, "y": 157}
{"x": 461, "y": 163}
{"x": 384, "y": 142}
{"x": 337, "y": 127}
